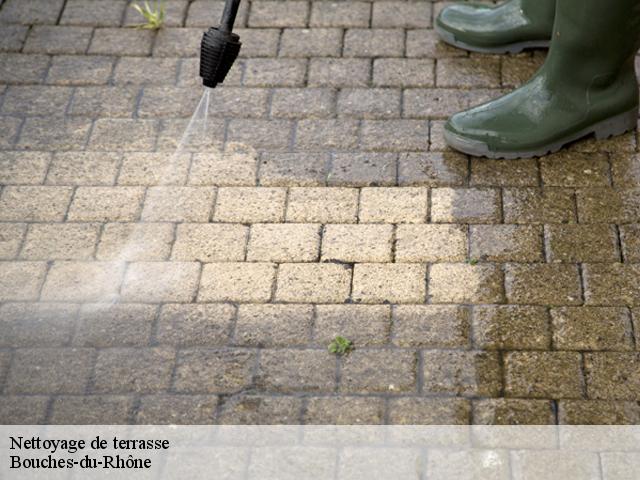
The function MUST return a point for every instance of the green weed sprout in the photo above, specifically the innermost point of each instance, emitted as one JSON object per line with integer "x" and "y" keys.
{"x": 340, "y": 346}
{"x": 154, "y": 16}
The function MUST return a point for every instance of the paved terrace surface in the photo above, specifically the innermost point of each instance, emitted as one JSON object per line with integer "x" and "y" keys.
{"x": 140, "y": 287}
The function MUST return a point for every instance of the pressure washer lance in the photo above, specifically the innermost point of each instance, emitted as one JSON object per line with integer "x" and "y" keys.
{"x": 219, "y": 47}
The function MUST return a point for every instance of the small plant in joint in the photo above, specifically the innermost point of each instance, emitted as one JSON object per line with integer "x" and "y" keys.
{"x": 473, "y": 261}
{"x": 340, "y": 346}
{"x": 154, "y": 16}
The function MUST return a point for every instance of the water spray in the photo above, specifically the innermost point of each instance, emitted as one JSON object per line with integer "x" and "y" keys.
{"x": 219, "y": 47}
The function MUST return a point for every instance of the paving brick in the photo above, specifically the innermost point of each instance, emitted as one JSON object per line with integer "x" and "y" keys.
{"x": 393, "y": 205}
{"x": 612, "y": 376}
{"x": 34, "y": 204}
{"x": 302, "y": 102}
{"x": 209, "y": 242}
{"x": 506, "y": 243}
{"x": 154, "y": 104}
{"x": 582, "y": 243}
{"x": 29, "y": 12}
{"x": 286, "y": 371}
{"x": 313, "y": 283}
{"x": 120, "y": 41}
{"x": 60, "y": 241}
{"x": 465, "y": 283}
{"x": 23, "y": 410}
{"x": 369, "y": 103}
{"x": 518, "y": 69}
{"x": 357, "y": 243}
{"x": 619, "y": 465}
{"x": 465, "y": 205}
{"x": 431, "y": 326}
{"x": 195, "y": 325}
{"x": 381, "y": 42}
{"x": 533, "y": 205}
{"x": 443, "y": 464}
{"x": 23, "y": 69}
{"x": 206, "y": 13}
{"x": 395, "y": 135}
{"x": 554, "y": 375}
{"x": 23, "y": 168}
{"x": 42, "y": 134}
{"x": 504, "y": 173}
{"x": 320, "y": 135}
{"x": 237, "y": 282}
{"x": 322, "y": 205}
{"x": 9, "y": 131}
{"x": 56, "y": 40}
{"x": 36, "y": 324}
{"x": 339, "y": 72}
{"x": 259, "y": 410}
{"x": 403, "y": 72}
{"x": 511, "y": 327}
{"x": 82, "y": 281}
{"x": 105, "y": 325}
{"x": 275, "y": 72}
{"x": 172, "y": 136}
{"x": 135, "y": 241}
{"x": 364, "y": 325}
{"x": 178, "y": 204}
{"x": 603, "y": 205}
{"x": 284, "y": 243}
{"x": 625, "y": 170}
{"x": 592, "y": 328}
{"x": 428, "y": 411}
{"x": 461, "y": 373}
{"x": 106, "y": 204}
{"x": 12, "y": 37}
{"x": 630, "y": 238}
{"x": 427, "y": 43}
{"x": 442, "y": 102}
{"x": 340, "y": 14}
{"x": 157, "y": 282}
{"x": 430, "y": 243}
{"x": 91, "y": 409}
{"x": 123, "y": 135}
{"x": 201, "y": 370}
{"x": 543, "y": 284}
{"x": 104, "y": 101}
{"x": 250, "y": 205}
{"x": 575, "y": 170}
{"x": 273, "y": 325}
{"x": 432, "y": 169}
{"x": 167, "y": 409}
{"x": 344, "y": 410}
{"x": 311, "y": 42}
{"x": 556, "y": 465}
{"x": 83, "y": 168}
{"x": 363, "y": 169}
{"x": 274, "y": 135}
{"x": 401, "y": 14}
{"x": 152, "y": 169}
{"x": 21, "y": 280}
{"x": 230, "y": 168}
{"x": 279, "y": 14}
{"x": 93, "y": 12}
{"x": 612, "y": 284}
{"x": 598, "y": 412}
{"x": 136, "y": 370}
{"x": 295, "y": 169}
{"x": 389, "y": 283}
{"x": 35, "y": 100}
{"x": 512, "y": 411}
{"x": 49, "y": 370}
{"x": 472, "y": 72}
{"x": 11, "y": 237}
{"x": 178, "y": 42}
{"x": 80, "y": 70}
{"x": 142, "y": 70}
{"x": 378, "y": 371}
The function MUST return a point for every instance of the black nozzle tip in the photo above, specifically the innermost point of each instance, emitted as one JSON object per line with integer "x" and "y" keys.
{"x": 218, "y": 50}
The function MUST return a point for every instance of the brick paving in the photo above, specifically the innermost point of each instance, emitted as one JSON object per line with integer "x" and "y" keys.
{"x": 141, "y": 287}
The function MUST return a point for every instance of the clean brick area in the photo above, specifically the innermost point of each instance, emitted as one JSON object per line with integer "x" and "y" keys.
{"x": 139, "y": 286}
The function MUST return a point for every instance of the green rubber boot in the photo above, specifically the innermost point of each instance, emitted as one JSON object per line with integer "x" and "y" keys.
{"x": 508, "y": 28}
{"x": 586, "y": 86}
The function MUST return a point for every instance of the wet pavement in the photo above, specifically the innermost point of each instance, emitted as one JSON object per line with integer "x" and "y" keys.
{"x": 138, "y": 285}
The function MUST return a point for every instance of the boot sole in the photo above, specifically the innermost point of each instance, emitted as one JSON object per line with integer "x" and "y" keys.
{"x": 449, "y": 38}
{"x": 611, "y": 127}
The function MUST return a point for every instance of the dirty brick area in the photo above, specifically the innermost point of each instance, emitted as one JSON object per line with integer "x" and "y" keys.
{"x": 139, "y": 286}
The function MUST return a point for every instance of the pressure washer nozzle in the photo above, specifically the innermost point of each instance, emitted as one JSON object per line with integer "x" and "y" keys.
{"x": 218, "y": 50}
